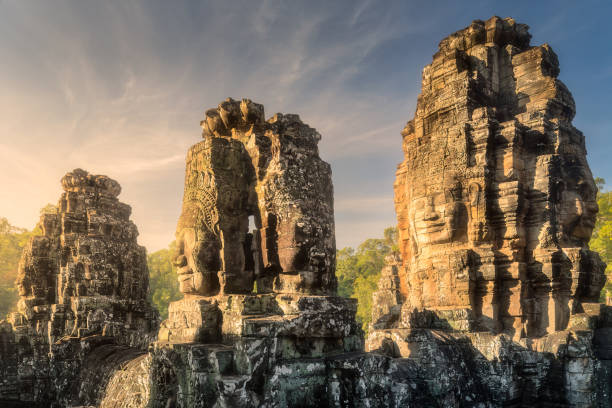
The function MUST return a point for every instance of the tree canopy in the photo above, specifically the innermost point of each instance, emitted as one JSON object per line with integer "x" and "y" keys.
{"x": 601, "y": 241}
{"x": 12, "y": 241}
{"x": 358, "y": 271}
{"x": 163, "y": 281}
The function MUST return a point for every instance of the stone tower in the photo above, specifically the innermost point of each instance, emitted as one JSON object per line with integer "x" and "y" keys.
{"x": 256, "y": 263}
{"x": 85, "y": 274}
{"x": 269, "y": 171}
{"x": 83, "y": 282}
{"x": 495, "y": 200}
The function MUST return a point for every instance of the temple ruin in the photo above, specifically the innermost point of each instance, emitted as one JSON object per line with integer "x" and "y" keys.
{"x": 491, "y": 300}
{"x": 495, "y": 205}
{"x": 495, "y": 200}
{"x": 267, "y": 292}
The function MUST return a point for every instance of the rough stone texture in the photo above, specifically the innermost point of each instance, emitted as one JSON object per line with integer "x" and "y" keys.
{"x": 130, "y": 385}
{"x": 267, "y": 170}
{"x": 491, "y": 301}
{"x": 85, "y": 274}
{"x": 83, "y": 284}
{"x": 495, "y": 205}
{"x": 260, "y": 306}
{"x": 280, "y": 347}
{"x": 495, "y": 200}
{"x": 279, "y": 277}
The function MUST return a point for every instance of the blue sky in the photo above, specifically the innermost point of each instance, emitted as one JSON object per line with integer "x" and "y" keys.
{"x": 119, "y": 88}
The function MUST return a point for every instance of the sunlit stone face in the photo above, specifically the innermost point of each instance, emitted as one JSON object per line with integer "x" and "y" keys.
{"x": 438, "y": 218}
{"x": 494, "y": 198}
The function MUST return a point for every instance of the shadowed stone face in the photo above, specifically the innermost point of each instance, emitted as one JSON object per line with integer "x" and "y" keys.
{"x": 577, "y": 207}
{"x": 197, "y": 261}
{"x": 267, "y": 170}
{"x": 213, "y": 225}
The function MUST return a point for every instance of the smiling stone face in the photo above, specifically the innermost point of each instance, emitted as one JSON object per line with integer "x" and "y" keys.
{"x": 439, "y": 217}
{"x": 197, "y": 243}
{"x": 197, "y": 262}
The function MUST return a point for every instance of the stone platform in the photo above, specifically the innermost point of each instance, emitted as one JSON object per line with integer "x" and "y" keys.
{"x": 326, "y": 322}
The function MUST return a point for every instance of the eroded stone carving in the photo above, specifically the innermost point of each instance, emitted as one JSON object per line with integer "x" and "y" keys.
{"x": 256, "y": 231}
{"x": 85, "y": 273}
{"x": 495, "y": 200}
{"x": 493, "y": 255}
{"x": 268, "y": 170}
{"x": 259, "y": 299}
{"x": 213, "y": 225}
{"x": 83, "y": 281}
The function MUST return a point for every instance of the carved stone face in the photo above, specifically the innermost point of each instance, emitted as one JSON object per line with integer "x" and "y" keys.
{"x": 577, "y": 207}
{"x": 197, "y": 258}
{"x": 23, "y": 287}
{"x": 438, "y": 218}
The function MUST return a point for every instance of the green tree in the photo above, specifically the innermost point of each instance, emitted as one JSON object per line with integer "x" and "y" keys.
{"x": 601, "y": 241}
{"x": 358, "y": 271}
{"x": 163, "y": 281}
{"x": 12, "y": 241}
{"x": 346, "y": 271}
